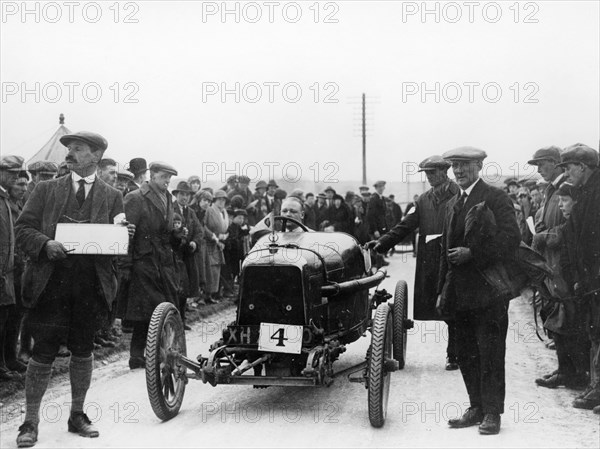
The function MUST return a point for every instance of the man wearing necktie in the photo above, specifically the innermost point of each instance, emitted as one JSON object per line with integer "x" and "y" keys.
{"x": 68, "y": 296}
{"x": 480, "y": 311}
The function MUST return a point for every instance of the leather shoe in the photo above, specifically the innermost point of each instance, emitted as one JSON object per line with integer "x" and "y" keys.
{"x": 137, "y": 362}
{"x": 471, "y": 417}
{"x": 451, "y": 364}
{"x": 490, "y": 424}
{"x": 554, "y": 381}
{"x": 28, "y": 433}
{"x": 589, "y": 401}
{"x": 79, "y": 423}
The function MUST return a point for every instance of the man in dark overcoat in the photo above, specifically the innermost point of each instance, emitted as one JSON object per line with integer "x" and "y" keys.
{"x": 480, "y": 311}
{"x": 376, "y": 211}
{"x": 139, "y": 168}
{"x": 428, "y": 215}
{"x": 9, "y": 172}
{"x": 68, "y": 296}
{"x": 183, "y": 194}
{"x": 154, "y": 276}
{"x": 40, "y": 171}
{"x": 583, "y": 267}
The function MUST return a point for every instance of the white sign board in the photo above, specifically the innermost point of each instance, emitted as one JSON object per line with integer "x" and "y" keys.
{"x": 280, "y": 338}
{"x": 93, "y": 239}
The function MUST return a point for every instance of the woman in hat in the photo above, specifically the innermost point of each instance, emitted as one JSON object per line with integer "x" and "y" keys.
{"x": 217, "y": 223}
{"x": 340, "y": 215}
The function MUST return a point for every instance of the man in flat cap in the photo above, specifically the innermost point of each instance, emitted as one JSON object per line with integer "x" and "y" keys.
{"x": 183, "y": 195}
{"x": 428, "y": 216}
{"x": 480, "y": 310}
{"x": 124, "y": 178}
{"x": 139, "y": 168}
{"x": 548, "y": 221}
{"x": 321, "y": 211}
{"x": 153, "y": 278}
{"x": 40, "y": 171}
{"x": 242, "y": 190}
{"x": 68, "y": 296}
{"x": 583, "y": 261}
{"x": 10, "y": 166}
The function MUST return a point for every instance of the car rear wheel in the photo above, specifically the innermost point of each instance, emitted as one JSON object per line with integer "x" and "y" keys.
{"x": 381, "y": 364}
{"x": 400, "y": 314}
{"x": 165, "y": 378}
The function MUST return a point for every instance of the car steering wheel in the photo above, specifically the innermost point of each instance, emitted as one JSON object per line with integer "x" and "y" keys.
{"x": 293, "y": 220}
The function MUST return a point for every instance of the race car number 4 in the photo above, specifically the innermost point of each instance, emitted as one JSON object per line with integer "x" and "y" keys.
{"x": 280, "y": 338}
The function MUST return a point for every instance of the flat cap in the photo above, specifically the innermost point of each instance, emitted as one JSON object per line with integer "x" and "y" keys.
{"x": 433, "y": 163}
{"x": 261, "y": 185}
{"x": 220, "y": 194}
{"x": 138, "y": 165}
{"x": 93, "y": 139}
{"x": 163, "y": 166}
{"x": 243, "y": 179}
{"x": 363, "y": 188}
{"x": 465, "y": 154}
{"x": 46, "y": 167}
{"x": 579, "y": 154}
{"x": 124, "y": 174}
{"x": 11, "y": 163}
{"x": 238, "y": 212}
{"x": 379, "y": 183}
{"x": 551, "y": 153}
{"x": 321, "y": 195}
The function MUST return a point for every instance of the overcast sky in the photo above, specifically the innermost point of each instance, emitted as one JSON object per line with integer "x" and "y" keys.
{"x": 511, "y": 79}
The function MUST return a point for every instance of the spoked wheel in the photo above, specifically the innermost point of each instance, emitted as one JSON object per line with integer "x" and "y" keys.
{"x": 165, "y": 378}
{"x": 400, "y": 318}
{"x": 381, "y": 364}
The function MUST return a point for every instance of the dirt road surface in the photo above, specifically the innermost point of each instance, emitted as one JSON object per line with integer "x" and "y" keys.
{"x": 423, "y": 397}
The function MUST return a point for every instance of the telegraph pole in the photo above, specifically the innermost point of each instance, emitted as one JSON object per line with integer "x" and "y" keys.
{"x": 364, "y": 142}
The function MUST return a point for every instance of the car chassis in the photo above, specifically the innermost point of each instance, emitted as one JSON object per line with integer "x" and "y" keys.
{"x": 327, "y": 307}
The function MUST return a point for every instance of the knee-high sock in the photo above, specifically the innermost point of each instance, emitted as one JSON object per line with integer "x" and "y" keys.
{"x": 80, "y": 370}
{"x": 36, "y": 383}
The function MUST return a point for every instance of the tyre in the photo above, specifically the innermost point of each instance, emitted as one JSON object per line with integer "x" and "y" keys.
{"x": 165, "y": 378}
{"x": 381, "y": 364}
{"x": 400, "y": 309}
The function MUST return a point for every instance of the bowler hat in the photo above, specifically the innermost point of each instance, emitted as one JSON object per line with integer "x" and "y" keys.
{"x": 465, "y": 154}
{"x": 92, "y": 139}
{"x": 163, "y": 166}
{"x": 330, "y": 189}
{"x": 551, "y": 153}
{"x": 579, "y": 154}
{"x": 11, "y": 163}
{"x": 261, "y": 185}
{"x": 183, "y": 187}
{"x": 137, "y": 165}
{"x": 433, "y": 163}
{"x": 272, "y": 183}
{"x": 43, "y": 167}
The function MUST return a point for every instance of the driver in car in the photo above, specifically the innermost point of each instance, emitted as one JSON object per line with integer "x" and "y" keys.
{"x": 293, "y": 207}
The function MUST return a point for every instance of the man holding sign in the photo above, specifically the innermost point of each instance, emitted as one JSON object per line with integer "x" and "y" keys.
{"x": 68, "y": 296}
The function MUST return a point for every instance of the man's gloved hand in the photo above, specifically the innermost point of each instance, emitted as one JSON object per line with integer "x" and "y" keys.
{"x": 55, "y": 250}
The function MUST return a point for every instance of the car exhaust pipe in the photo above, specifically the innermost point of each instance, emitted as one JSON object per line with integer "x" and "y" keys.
{"x": 354, "y": 285}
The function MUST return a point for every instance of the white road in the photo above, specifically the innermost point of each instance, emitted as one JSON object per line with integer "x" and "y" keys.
{"x": 423, "y": 397}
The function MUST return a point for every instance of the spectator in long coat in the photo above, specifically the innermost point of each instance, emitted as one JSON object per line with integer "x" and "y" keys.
{"x": 310, "y": 211}
{"x": 9, "y": 171}
{"x": 340, "y": 216}
{"x": 428, "y": 215}
{"x": 217, "y": 222}
{"x": 153, "y": 271}
{"x": 581, "y": 167}
{"x": 202, "y": 201}
{"x": 183, "y": 194}
{"x": 321, "y": 212}
{"x": 377, "y": 211}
